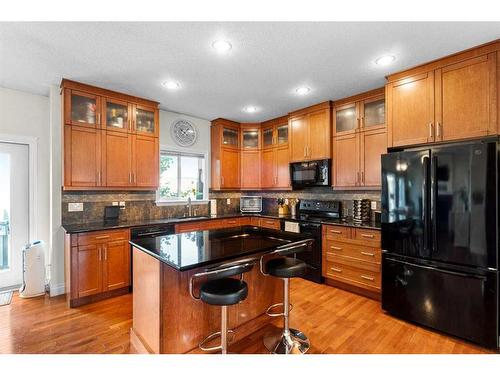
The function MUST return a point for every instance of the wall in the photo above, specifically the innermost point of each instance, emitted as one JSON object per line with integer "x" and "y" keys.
{"x": 27, "y": 115}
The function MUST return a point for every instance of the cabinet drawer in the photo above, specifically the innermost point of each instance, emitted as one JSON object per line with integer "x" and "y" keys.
{"x": 352, "y": 275}
{"x": 192, "y": 227}
{"x": 367, "y": 235}
{"x": 270, "y": 223}
{"x": 233, "y": 222}
{"x": 255, "y": 221}
{"x": 357, "y": 252}
{"x": 102, "y": 236}
{"x": 334, "y": 232}
{"x": 352, "y": 262}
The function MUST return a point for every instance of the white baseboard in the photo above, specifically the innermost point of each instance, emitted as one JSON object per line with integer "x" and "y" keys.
{"x": 56, "y": 290}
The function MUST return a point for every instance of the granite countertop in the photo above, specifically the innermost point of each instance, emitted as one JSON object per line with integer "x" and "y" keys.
{"x": 190, "y": 250}
{"x": 101, "y": 225}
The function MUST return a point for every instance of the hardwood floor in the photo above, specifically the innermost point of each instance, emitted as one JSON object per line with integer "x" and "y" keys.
{"x": 335, "y": 321}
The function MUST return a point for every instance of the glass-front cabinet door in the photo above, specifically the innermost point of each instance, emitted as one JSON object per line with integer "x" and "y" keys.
{"x": 144, "y": 120}
{"x": 346, "y": 119}
{"x": 374, "y": 112}
{"x": 268, "y": 137}
{"x": 116, "y": 115}
{"x": 282, "y": 134}
{"x": 82, "y": 109}
{"x": 230, "y": 137}
{"x": 250, "y": 138}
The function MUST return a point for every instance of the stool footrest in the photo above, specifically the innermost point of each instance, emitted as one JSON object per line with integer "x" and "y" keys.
{"x": 213, "y": 336}
{"x": 272, "y": 314}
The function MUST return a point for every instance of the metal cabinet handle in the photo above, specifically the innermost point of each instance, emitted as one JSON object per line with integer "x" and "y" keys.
{"x": 336, "y": 269}
{"x": 367, "y": 235}
{"x": 357, "y": 178}
{"x": 362, "y": 177}
{"x": 222, "y": 180}
{"x": 99, "y": 118}
{"x": 431, "y": 130}
{"x": 101, "y": 237}
{"x": 129, "y": 177}
{"x": 105, "y": 253}
{"x": 438, "y": 130}
{"x": 99, "y": 252}
{"x": 335, "y": 231}
{"x": 335, "y": 248}
{"x": 367, "y": 254}
{"x": 367, "y": 278}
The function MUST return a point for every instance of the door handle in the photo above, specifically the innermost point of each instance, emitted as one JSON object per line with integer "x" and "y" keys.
{"x": 367, "y": 254}
{"x": 367, "y": 278}
{"x": 438, "y": 131}
{"x": 336, "y": 269}
{"x": 105, "y": 253}
{"x": 367, "y": 235}
{"x": 101, "y": 237}
{"x": 335, "y": 231}
{"x": 431, "y": 130}
{"x": 99, "y": 253}
{"x": 362, "y": 177}
{"x": 336, "y": 248}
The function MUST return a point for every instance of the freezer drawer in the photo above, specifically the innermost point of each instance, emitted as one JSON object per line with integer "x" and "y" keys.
{"x": 464, "y": 305}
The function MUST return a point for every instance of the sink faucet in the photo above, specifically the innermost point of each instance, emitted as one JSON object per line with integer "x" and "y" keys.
{"x": 189, "y": 207}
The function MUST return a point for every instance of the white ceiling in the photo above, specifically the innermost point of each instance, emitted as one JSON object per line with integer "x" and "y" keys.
{"x": 267, "y": 62}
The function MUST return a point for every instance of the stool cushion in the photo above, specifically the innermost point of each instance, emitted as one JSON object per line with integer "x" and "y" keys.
{"x": 223, "y": 292}
{"x": 286, "y": 267}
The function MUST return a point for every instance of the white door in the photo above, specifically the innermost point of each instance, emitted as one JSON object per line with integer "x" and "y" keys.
{"x": 14, "y": 211}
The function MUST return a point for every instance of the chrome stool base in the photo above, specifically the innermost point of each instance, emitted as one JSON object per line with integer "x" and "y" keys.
{"x": 211, "y": 337}
{"x": 291, "y": 342}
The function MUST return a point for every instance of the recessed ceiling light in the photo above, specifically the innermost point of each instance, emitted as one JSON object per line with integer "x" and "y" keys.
{"x": 171, "y": 85}
{"x": 303, "y": 90}
{"x": 385, "y": 60}
{"x": 250, "y": 109}
{"x": 222, "y": 46}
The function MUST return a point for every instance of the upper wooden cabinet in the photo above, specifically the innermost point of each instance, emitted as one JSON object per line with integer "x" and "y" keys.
{"x": 225, "y": 154}
{"x": 275, "y": 169}
{"x": 450, "y": 99}
{"x": 310, "y": 132}
{"x": 359, "y": 140}
{"x": 106, "y": 135}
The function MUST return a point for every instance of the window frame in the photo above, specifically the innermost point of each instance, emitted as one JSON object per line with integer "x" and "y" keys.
{"x": 178, "y": 153}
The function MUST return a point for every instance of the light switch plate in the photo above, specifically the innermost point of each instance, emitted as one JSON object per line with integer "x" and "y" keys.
{"x": 115, "y": 203}
{"x": 228, "y": 201}
{"x": 75, "y": 207}
{"x": 122, "y": 205}
{"x": 374, "y": 205}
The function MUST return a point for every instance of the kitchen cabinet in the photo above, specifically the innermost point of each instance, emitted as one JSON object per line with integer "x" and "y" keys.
{"x": 225, "y": 154}
{"x": 250, "y": 170}
{"x": 453, "y": 98}
{"x": 105, "y": 135}
{"x": 310, "y": 132}
{"x": 275, "y": 169}
{"x": 97, "y": 265}
{"x": 352, "y": 258}
{"x": 359, "y": 140}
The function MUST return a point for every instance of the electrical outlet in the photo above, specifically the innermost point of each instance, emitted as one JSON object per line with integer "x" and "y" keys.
{"x": 374, "y": 205}
{"x": 114, "y": 203}
{"x": 228, "y": 201}
{"x": 75, "y": 207}
{"x": 122, "y": 205}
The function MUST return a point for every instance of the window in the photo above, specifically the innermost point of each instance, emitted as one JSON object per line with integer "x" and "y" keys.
{"x": 182, "y": 176}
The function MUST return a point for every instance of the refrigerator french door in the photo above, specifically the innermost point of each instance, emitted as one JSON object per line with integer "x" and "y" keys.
{"x": 439, "y": 236}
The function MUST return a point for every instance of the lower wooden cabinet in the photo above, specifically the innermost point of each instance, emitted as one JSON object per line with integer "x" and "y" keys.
{"x": 211, "y": 224}
{"x": 352, "y": 257}
{"x": 96, "y": 263}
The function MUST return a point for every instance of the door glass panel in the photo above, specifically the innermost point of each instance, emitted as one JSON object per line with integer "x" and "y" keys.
{"x": 375, "y": 113}
{"x": 230, "y": 137}
{"x": 267, "y": 135}
{"x": 250, "y": 138}
{"x": 346, "y": 119}
{"x": 4, "y": 210}
{"x": 282, "y": 134}
{"x": 116, "y": 115}
{"x": 83, "y": 109}
{"x": 145, "y": 121}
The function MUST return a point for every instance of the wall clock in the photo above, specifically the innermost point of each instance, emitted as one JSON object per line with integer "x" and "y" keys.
{"x": 183, "y": 132}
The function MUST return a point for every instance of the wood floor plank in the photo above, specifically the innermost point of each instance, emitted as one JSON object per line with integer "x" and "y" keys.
{"x": 335, "y": 321}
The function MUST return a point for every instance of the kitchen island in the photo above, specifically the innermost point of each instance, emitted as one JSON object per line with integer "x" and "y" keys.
{"x": 165, "y": 317}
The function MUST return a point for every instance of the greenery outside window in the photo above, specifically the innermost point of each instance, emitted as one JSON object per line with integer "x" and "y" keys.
{"x": 182, "y": 176}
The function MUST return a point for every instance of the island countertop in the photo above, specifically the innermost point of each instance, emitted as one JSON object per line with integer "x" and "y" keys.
{"x": 185, "y": 251}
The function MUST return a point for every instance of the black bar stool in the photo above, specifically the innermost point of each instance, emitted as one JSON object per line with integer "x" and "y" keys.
{"x": 221, "y": 289}
{"x": 289, "y": 340}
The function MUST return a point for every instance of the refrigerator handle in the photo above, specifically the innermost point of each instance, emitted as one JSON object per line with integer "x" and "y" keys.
{"x": 434, "y": 193}
{"x": 426, "y": 202}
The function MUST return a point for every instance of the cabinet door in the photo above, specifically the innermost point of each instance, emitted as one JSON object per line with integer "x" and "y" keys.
{"x": 282, "y": 167}
{"x": 145, "y": 121}
{"x": 82, "y": 156}
{"x": 117, "y": 159}
{"x": 410, "y": 110}
{"x": 145, "y": 164}
{"x": 466, "y": 99}
{"x": 230, "y": 168}
{"x": 373, "y": 146}
{"x": 89, "y": 269}
{"x": 298, "y": 138}
{"x": 282, "y": 135}
{"x": 268, "y": 137}
{"x": 346, "y": 161}
{"x": 116, "y": 265}
{"x": 268, "y": 172}
{"x": 250, "y": 169}
{"x": 346, "y": 119}
{"x": 250, "y": 139}
{"x": 116, "y": 115}
{"x": 230, "y": 137}
{"x": 82, "y": 109}
{"x": 319, "y": 135}
{"x": 372, "y": 112}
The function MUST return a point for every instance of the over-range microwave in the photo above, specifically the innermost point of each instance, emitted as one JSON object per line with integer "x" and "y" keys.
{"x": 310, "y": 174}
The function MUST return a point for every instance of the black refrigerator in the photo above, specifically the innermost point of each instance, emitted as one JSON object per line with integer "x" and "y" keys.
{"x": 440, "y": 238}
